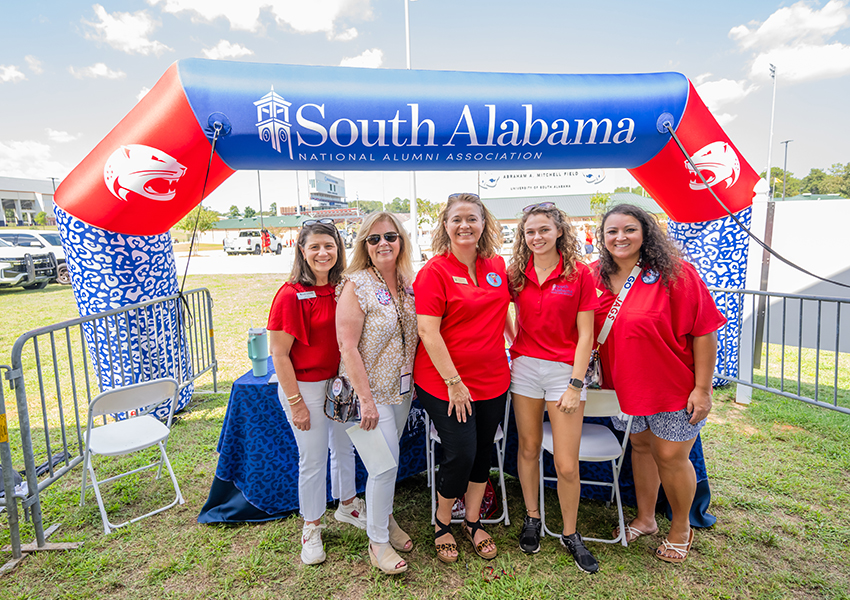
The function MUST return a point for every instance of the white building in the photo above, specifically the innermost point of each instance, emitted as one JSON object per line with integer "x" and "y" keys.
{"x": 23, "y": 199}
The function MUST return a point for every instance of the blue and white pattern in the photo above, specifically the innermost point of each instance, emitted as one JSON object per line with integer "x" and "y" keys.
{"x": 112, "y": 270}
{"x": 718, "y": 250}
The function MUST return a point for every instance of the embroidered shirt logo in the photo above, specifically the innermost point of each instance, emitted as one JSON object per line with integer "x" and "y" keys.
{"x": 562, "y": 289}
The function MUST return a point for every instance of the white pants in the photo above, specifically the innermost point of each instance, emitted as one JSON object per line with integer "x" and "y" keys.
{"x": 313, "y": 446}
{"x": 380, "y": 489}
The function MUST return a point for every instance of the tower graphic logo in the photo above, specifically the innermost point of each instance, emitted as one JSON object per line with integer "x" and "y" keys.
{"x": 273, "y": 121}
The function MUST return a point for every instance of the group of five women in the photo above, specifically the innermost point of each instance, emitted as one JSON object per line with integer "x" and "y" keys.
{"x": 442, "y": 335}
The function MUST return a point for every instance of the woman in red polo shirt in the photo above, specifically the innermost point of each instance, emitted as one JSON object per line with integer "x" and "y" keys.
{"x": 659, "y": 356}
{"x": 302, "y": 342}
{"x": 461, "y": 369}
{"x": 555, "y": 297}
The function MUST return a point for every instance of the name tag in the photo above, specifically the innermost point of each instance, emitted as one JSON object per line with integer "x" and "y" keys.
{"x": 404, "y": 383}
{"x": 462, "y": 280}
{"x": 305, "y": 295}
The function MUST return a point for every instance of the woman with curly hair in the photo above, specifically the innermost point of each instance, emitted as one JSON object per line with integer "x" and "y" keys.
{"x": 555, "y": 298}
{"x": 461, "y": 369}
{"x": 659, "y": 356}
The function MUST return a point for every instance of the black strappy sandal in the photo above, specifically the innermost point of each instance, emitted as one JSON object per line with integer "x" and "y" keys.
{"x": 469, "y": 530}
{"x": 448, "y": 547}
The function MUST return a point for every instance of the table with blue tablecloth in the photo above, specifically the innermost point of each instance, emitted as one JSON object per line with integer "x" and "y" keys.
{"x": 257, "y": 474}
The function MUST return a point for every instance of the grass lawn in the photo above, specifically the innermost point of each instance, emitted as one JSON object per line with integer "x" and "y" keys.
{"x": 779, "y": 470}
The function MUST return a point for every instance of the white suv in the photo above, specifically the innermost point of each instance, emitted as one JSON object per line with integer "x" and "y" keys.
{"x": 36, "y": 240}
{"x": 19, "y": 267}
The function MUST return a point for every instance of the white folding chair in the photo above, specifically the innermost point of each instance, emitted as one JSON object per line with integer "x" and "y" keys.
{"x": 598, "y": 444}
{"x": 135, "y": 433}
{"x": 432, "y": 438}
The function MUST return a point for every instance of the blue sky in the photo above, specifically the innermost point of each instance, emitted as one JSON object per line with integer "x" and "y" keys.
{"x": 69, "y": 71}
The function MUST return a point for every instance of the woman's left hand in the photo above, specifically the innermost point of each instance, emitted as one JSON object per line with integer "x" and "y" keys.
{"x": 569, "y": 401}
{"x": 699, "y": 405}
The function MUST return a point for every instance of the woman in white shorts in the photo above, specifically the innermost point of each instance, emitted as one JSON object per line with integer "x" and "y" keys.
{"x": 555, "y": 298}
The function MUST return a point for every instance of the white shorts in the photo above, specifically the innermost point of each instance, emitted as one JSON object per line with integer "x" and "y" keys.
{"x": 538, "y": 378}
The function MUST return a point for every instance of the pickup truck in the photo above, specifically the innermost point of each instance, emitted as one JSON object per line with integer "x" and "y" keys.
{"x": 20, "y": 267}
{"x": 250, "y": 241}
{"x": 49, "y": 240}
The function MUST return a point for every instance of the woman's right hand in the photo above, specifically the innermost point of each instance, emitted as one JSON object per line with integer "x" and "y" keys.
{"x": 368, "y": 415}
{"x": 460, "y": 401}
{"x": 300, "y": 416}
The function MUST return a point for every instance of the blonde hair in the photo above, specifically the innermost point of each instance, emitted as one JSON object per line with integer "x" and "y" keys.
{"x": 490, "y": 241}
{"x": 360, "y": 259}
{"x": 567, "y": 245}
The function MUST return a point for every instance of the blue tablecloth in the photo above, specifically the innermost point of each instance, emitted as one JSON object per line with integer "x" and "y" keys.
{"x": 257, "y": 474}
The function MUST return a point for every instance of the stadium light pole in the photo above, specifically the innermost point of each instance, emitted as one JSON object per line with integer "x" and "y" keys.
{"x": 414, "y": 217}
{"x": 785, "y": 168}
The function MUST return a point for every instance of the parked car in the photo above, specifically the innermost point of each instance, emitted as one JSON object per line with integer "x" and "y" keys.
{"x": 20, "y": 267}
{"x": 508, "y": 234}
{"x": 49, "y": 240}
{"x": 249, "y": 241}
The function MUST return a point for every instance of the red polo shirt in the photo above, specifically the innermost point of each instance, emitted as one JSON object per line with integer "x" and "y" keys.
{"x": 546, "y": 314}
{"x": 472, "y": 326}
{"x": 308, "y": 313}
{"x": 649, "y": 354}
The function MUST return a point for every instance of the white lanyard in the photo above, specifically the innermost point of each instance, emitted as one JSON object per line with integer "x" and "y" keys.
{"x": 618, "y": 303}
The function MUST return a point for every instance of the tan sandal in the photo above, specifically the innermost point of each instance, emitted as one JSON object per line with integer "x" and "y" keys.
{"x": 632, "y": 533}
{"x": 444, "y": 549}
{"x": 387, "y": 560}
{"x": 399, "y": 538}
{"x": 469, "y": 530}
{"x": 681, "y": 550}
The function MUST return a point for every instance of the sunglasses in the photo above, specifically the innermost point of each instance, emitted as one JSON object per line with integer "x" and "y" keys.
{"x": 531, "y": 207}
{"x": 453, "y": 196}
{"x": 325, "y": 221}
{"x": 373, "y": 239}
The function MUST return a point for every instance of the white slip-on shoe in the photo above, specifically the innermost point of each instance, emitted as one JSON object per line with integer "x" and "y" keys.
{"x": 353, "y": 513}
{"x": 312, "y": 549}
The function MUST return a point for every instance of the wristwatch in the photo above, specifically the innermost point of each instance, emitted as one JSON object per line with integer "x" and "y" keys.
{"x": 576, "y": 383}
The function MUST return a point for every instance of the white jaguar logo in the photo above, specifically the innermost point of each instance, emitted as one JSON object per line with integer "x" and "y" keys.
{"x": 142, "y": 170}
{"x": 717, "y": 162}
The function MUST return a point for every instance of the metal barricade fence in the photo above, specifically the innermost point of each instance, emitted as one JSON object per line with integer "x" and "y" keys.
{"x": 67, "y": 364}
{"x": 800, "y": 356}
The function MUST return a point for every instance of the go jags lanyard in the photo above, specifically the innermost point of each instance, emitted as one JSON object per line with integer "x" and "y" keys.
{"x": 618, "y": 304}
{"x": 400, "y": 291}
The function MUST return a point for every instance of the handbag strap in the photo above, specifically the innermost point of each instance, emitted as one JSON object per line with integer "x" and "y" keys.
{"x": 618, "y": 303}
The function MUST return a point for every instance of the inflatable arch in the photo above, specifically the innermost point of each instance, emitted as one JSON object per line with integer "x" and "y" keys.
{"x": 116, "y": 207}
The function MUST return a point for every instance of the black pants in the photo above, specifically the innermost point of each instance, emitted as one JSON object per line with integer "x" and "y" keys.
{"x": 467, "y": 447}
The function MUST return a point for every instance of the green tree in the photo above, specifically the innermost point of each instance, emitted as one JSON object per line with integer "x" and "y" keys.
{"x": 249, "y": 212}
{"x": 201, "y": 218}
{"x": 273, "y": 209}
{"x": 234, "y": 212}
{"x": 840, "y": 179}
{"x": 399, "y": 206}
{"x": 40, "y": 218}
{"x": 369, "y": 206}
{"x": 792, "y": 184}
{"x": 624, "y": 189}
{"x": 427, "y": 211}
{"x": 599, "y": 203}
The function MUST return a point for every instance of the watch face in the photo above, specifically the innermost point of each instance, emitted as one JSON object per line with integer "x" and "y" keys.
{"x": 576, "y": 382}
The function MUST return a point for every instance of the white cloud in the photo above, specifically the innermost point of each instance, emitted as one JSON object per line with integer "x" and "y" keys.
{"x": 11, "y": 73}
{"x": 345, "y": 36}
{"x": 717, "y": 94}
{"x": 304, "y": 17}
{"x": 723, "y": 119}
{"x": 127, "y": 32}
{"x": 795, "y": 23}
{"x": 29, "y": 159}
{"x": 34, "y": 64}
{"x": 796, "y": 39}
{"x": 97, "y": 70}
{"x": 225, "y": 49}
{"x": 142, "y": 93}
{"x": 60, "y": 137}
{"x": 371, "y": 59}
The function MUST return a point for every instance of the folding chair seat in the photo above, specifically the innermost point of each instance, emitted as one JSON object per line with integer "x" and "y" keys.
{"x": 598, "y": 444}
{"x": 432, "y": 438}
{"x": 133, "y": 434}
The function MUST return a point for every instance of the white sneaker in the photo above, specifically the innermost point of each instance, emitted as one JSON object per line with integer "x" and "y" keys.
{"x": 353, "y": 513}
{"x": 312, "y": 549}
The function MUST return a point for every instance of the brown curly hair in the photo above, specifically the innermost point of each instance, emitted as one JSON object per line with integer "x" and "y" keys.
{"x": 490, "y": 241}
{"x": 657, "y": 252}
{"x": 567, "y": 245}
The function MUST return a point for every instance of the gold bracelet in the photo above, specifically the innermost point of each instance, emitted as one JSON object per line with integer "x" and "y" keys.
{"x": 452, "y": 380}
{"x": 297, "y": 397}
